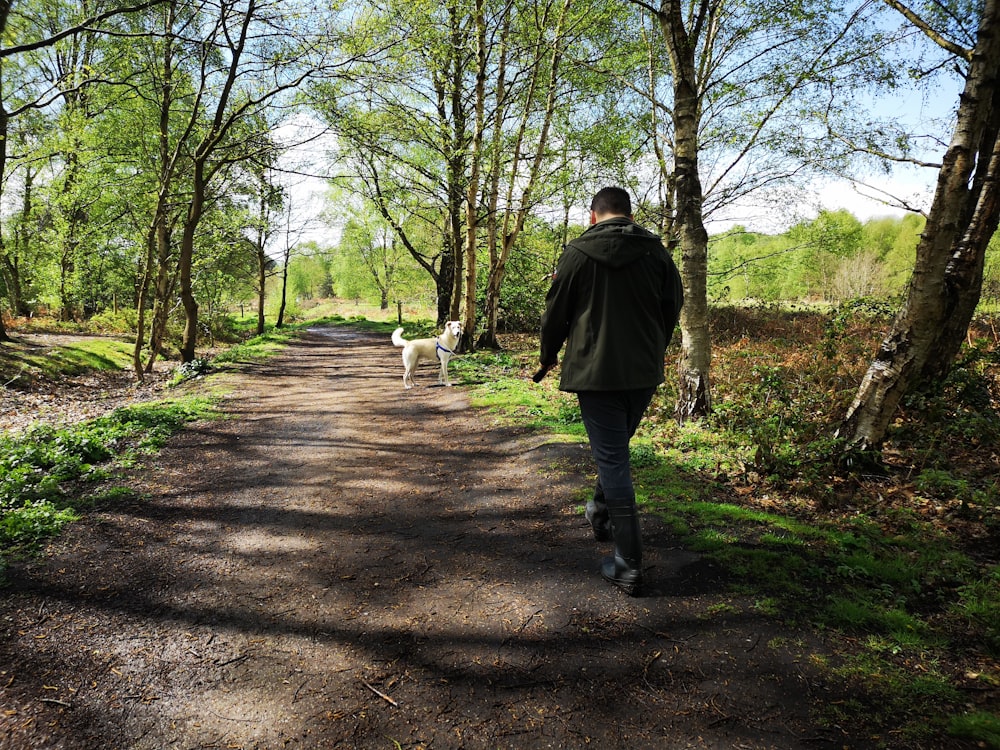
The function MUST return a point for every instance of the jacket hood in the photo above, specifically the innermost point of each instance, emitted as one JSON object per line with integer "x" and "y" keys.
{"x": 616, "y": 242}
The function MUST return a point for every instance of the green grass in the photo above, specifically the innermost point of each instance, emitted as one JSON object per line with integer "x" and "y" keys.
{"x": 501, "y": 383}
{"x": 978, "y": 726}
{"x": 20, "y": 363}
{"x": 908, "y": 604}
{"x": 268, "y": 344}
{"x": 46, "y": 471}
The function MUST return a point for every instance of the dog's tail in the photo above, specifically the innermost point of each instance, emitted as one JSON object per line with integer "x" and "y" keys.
{"x": 397, "y": 338}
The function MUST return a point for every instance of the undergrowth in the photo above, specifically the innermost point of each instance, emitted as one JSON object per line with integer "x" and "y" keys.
{"x": 900, "y": 566}
{"x": 46, "y": 470}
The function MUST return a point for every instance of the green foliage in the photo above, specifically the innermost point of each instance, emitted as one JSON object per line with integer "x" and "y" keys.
{"x": 43, "y": 470}
{"x": 643, "y": 455}
{"x": 774, "y": 416}
{"x": 979, "y": 602}
{"x": 978, "y": 726}
{"x": 309, "y": 275}
{"x": 193, "y": 369}
{"x": 834, "y": 258}
{"x": 990, "y": 300}
{"x": 959, "y": 413}
{"x": 27, "y": 525}
{"x": 757, "y": 489}
{"x": 522, "y": 297}
{"x": 108, "y": 321}
{"x": 844, "y": 320}
{"x": 370, "y": 263}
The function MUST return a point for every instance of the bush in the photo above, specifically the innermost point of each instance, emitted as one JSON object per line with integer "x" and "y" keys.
{"x": 43, "y": 468}
{"x": 194, "y": 368}
{"x": 108, "y": 321}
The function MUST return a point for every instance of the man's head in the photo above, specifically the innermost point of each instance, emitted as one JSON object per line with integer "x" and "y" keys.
{"x": 610, "y": 202}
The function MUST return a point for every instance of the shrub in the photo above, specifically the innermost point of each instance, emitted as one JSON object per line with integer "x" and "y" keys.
{"x": 42, "y": 470}
{"x": 109, "y": 321}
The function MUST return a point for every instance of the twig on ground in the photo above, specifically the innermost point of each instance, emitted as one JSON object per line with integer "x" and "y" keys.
{"x": 56, "y": 701}
{"x": 241, "y": 657}
{"x": 379, "y": 693}
{"x": 295, "y": 696}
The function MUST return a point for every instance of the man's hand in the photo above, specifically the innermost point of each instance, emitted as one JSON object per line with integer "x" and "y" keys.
{"x": 542, "y": 372}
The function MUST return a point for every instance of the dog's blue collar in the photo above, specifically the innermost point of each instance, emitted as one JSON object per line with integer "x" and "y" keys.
{"x": 442, "y": 349}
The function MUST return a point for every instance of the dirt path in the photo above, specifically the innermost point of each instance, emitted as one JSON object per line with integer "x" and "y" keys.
{"x": 347, "y": 565}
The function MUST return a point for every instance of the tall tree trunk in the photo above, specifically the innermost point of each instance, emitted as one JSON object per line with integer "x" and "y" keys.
{"x": 160, "y": 232}
{"x": 280, "y": 321}
{"x": 188, "y": 301}
{"x": 455, "y": 142}
{"x": 456, "y": 241}
{"x": 75, "y": 217}
{"x": 261, "y": 288}
{"x": 140, "y": 314}
{"x": 66, "y": 267}
{"x": 163, "y": 289}
{"x": 472, "y": 189}
{"x": 513, "y": 220}
{"x": 4, "y": 128}
{"x": 261, "y": 258}
{"x": 694, "y": 393}
{"x": 162, "y": 285}
{"x": 4, "y": 13}
{"x": 4, "y": 336}
{"x": 444, "y": 283}
{"x": 944, "y": 290}
{"x": 496, "y": 156}
{"x": 22, "y": 246}
{"x": 10, "y": 263}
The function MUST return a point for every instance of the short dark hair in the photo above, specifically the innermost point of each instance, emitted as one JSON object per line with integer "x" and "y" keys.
{"x": 612, "y": 200}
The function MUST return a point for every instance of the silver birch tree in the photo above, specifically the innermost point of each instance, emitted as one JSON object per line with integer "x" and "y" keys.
{"x": 946, "y": 284}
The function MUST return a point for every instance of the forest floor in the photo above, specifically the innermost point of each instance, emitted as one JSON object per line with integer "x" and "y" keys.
{"x": 340, "y": 563}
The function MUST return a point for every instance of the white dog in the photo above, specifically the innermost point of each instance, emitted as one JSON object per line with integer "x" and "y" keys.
{"x": 418, "y": 350}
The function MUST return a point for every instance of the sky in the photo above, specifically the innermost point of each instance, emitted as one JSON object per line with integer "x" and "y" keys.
{"x": 863, "y": 204}
{"x": 864, "y": 201}
{"x": 914, "y": 185}
{"x": 309, "y": 199}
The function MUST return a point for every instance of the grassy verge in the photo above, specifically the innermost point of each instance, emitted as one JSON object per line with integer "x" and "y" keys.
{"x": 900, "y": 570}
{"x": 49, "y": 475}
{"x": 20, "y": 363}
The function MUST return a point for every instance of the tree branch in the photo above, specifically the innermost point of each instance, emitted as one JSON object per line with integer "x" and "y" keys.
{"x": 83, "y": 26}
{"x": 939, "y": 39}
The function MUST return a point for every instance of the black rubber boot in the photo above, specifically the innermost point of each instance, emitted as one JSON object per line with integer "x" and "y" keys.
{"x": 624, "y": 567}
{"x": 597, "y": 515}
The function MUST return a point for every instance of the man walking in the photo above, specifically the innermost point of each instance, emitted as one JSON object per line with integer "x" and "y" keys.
{"x": 614, "y": 301}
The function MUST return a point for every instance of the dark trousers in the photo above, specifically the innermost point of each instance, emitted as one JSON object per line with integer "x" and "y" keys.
{"x": 611, "y": 419}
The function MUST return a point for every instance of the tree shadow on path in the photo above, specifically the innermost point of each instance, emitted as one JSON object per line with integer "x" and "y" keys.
{"x": 342, "y": 563}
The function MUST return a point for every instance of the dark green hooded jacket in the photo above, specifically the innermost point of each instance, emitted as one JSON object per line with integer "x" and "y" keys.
{"x": 614, "y": 301}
